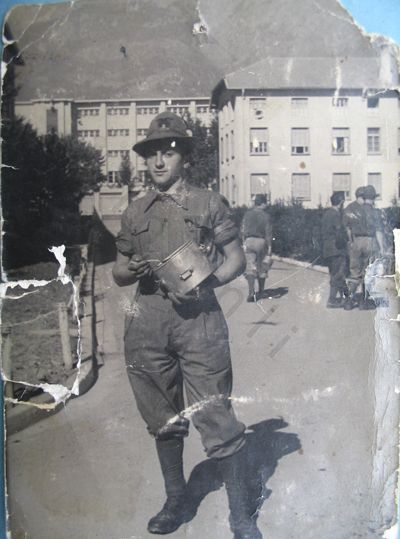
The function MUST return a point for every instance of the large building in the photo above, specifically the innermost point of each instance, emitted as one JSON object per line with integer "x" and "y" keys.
{"x": 298, "y": 117}
{"x": 301, "y": 128}
{"x": 112, "y": 126}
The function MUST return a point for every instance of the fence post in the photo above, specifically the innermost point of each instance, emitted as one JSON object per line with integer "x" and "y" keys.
{"x": 64, "y": 332}
{"x": 6, "y": 361}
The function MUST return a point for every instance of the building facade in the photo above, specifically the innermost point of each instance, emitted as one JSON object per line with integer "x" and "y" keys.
{"x": 304, "y": 145}
{"x": 299, "y": 128}
{"x": 110, "y": 126}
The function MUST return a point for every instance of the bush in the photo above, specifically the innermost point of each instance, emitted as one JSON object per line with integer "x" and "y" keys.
{"x": 297, "y": 230}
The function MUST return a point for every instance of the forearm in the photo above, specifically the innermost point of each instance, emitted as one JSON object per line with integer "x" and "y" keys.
{"x": 232, "y": 267}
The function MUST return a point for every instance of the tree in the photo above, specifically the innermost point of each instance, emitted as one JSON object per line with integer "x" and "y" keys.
{"x": 125, "y": 172}
{"x": 43, "y": 181}
{"x": 204, "y": 158}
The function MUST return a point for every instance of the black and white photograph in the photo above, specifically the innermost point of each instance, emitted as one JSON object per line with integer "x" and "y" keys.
{"x": 200, "y": 326}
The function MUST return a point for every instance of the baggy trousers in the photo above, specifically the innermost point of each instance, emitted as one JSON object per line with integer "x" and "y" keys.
{"x": 337, "y": 271}
{"x": 363, "y": 251}
{"x": 168, "y": 348}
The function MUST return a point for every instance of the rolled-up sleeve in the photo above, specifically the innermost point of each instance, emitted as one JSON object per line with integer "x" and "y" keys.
{"x": 224, "y": 228}
{"x": 124, "y": 236}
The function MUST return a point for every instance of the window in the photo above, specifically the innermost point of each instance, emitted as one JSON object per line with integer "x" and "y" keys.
{"x": 300, "y": 140}
{"x": 118, "y": 132}
{"x": 112, "y": 176}
{"x": 118, "y": 153}
{"x": 373, "y": 102}
{"x": 301, "y": 186}
{"x": 89, "y": 133}
{"x": 141, "y": 132}
{"x": 259, "y": 184}
{"x": 258, "y": 141}
{"x": 51, "y": 120}
{"x": 89, "y": 111}
{"x": 257, "y": 107}
{"x": 227, "y": 146}
{"x": 341, "y": 181}
{"x": 180, "y": 110}
{"x": 201, "y": 109}
{"x": 375, "y": 179}
{"x": 299, "y": 103}
{"x": 232, "y": 144}
{"x": 340, "y": 102}
{"x": 341, "y": 140}
{"x": 373, "y": 140}
{"x": 221, "y": 149}
{"x": 398, "y": 140}
{"x": 114, "y": 111}
{"x": 142, "y": 176}
{"x": 146, "y": 110}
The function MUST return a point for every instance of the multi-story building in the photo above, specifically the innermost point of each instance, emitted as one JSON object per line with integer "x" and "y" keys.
{"x": 299, "y": 129}
{"x": 110, "y": 126}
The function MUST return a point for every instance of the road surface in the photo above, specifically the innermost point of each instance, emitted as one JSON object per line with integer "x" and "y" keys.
{"x": 301, "y": 385}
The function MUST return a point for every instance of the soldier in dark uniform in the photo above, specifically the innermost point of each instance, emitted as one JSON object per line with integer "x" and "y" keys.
{"x": 364, "y": 230}
{"x": 257, "y": 236}
{"x": 335, "y": 250}
{"x": 174, "y": 340}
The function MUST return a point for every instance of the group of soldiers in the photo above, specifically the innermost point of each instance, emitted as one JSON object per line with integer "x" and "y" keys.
{"x": 352, "y": 239}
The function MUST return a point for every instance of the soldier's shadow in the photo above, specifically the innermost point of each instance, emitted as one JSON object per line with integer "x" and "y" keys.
{"x": 265, "y": 446}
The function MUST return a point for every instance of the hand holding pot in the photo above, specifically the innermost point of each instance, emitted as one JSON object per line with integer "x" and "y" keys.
{"x": 139, "y": 267}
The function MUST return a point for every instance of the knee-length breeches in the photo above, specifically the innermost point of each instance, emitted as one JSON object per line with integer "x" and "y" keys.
{"x": 169, "y": 349}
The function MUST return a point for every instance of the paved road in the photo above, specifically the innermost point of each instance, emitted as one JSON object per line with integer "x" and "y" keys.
{"x": 302, "y": 386}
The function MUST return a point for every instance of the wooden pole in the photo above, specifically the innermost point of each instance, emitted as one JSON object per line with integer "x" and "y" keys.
{"x": 64, "y": 332}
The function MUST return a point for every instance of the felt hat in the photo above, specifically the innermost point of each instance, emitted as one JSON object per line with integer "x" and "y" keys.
{"x": 165, "y": 126}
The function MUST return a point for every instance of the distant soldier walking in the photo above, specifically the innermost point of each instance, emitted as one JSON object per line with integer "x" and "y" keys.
{"x": 335, "y": 250}
{"x": 257, "y": 236}
{"x": 365, "y": 232}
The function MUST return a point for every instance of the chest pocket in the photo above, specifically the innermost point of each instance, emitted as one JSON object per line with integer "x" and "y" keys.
{"x": 200, "y": 229}
{"x": 139, "y": 233}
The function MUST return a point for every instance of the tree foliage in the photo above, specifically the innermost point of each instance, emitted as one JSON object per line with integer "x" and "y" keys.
{"x": 43, "y": 180}
{"x": 204, "y": 158}
{"x": 125, "y": 172}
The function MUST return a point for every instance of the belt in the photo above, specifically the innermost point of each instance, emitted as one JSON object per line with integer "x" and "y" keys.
{"x": 258, "y": 237}
{"x": 364, "y": 236}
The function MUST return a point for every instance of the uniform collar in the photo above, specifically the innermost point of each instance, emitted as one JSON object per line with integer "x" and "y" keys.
{"x": 177, "y": 192}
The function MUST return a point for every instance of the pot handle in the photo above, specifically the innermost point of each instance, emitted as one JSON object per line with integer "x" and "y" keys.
{"x": 186, "y": 274}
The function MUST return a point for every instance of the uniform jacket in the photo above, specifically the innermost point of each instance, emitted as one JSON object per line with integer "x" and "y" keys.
{"x": 157, "y": 224}
{"x": 333, "y": 233}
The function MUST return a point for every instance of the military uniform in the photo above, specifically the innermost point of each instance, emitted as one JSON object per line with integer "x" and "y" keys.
{"x": 363, "y": 221}
{"x": 335, "y": 250}
{"x": 169, "y": 346}
{"x": 256, "y": 227}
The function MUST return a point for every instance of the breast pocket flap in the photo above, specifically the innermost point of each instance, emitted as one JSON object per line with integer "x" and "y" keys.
{"x": 141, "y": 227}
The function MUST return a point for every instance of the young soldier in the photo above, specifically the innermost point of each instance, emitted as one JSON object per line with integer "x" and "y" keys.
{"x": 257, "y": 236}
{"x": 364, "y": 229}
{"x": 178, "y": 340}
{"x": 335, "y": 250}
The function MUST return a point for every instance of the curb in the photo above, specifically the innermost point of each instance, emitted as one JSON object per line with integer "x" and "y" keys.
{"x": 24, "y": 414}
{"x": 301, "y": 264}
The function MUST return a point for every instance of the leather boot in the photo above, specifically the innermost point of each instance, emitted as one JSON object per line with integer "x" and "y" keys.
{"x": 251, "y": 282}
{"x": 173, "y": 513}
{"x": 243, "y": 513}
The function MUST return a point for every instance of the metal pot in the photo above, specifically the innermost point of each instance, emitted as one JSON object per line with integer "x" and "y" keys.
{"x": 185, "y": 268}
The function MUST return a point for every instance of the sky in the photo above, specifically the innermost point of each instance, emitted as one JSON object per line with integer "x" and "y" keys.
{"x": 379, "y": 16}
